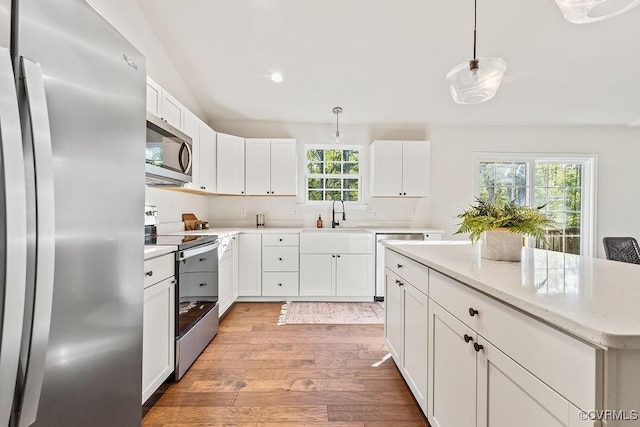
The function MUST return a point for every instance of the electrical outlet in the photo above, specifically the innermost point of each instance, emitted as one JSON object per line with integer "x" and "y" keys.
{"x": 374, "y": 213}
{"x": 294, "y": 212}
{"x": 243, "y": 212}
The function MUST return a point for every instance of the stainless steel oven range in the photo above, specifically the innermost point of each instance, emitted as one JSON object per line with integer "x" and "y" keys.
{"x": 197, "y": 308}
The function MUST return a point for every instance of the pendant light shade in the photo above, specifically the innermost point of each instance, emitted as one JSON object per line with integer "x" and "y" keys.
{"x": 585, "y": 11}
{"x": 476, "y": 80}
{"x": 337, "y": 136}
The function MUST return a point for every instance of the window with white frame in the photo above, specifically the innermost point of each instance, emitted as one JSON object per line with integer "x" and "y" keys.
{"x": 333, "y": 173}
{"x": 564, "y": 185}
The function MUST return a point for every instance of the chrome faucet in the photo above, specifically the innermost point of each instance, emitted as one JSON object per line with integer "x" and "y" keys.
{"x": 335, "y": 223}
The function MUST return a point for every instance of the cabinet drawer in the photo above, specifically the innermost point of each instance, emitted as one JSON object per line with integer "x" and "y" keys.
{"x": 200, "y": 263}
{"x": 567, "y": 365}
{"x": 411, "y": 271}
{"x": 283, "y": 258}
{"x": 284, "y": 239}
{"x": 158, "y": 269}
{"x": 279, "y": 284}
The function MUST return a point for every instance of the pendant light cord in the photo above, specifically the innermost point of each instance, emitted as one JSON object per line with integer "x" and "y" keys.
{"x": 475, "y": 21}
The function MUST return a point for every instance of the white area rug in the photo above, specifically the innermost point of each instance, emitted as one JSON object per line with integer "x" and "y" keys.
{"x": 345, "y": 313}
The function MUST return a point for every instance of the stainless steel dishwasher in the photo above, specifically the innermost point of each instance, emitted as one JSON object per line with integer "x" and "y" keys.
{"x": 380, "y": 254}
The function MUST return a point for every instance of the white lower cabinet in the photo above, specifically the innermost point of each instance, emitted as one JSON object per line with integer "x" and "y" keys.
{"x": 405, "y": 332}
{"x": 158, "y": 333}
{"x": 280, "y": 264}
{"x": 250, "y": 258}
{"x": 227, "y": 273}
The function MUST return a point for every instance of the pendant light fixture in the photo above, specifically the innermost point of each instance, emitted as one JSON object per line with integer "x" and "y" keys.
{"x": 585, "y": 11}
{"x": 337, "y": 136}
{"x": 477, "y": 80}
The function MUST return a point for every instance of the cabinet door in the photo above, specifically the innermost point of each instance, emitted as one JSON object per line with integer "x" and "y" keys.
{"x": 230, "y": 164}
{"x": 387, "y": 168}
{"x": 224, "y": 282}
{"x": 353, "y": 275}
{"x": 258, "y": 166}
{"x": 451, "y": 364}
{"x": 234, "y": 269}
{"x": 154, "y": 94}
{"x": 207, "y": 158}
{"x": 316, "y": 275}
{"x": 171, "y": 110}
{"x": 250, "y": 258}
{"x": 158, "y": 337}
{"x": 415, "y": 168}
{"x": 506, "y": 392}
{"x": 192, "y": 129}
{"x": 393, "y": 316}
{"x": 414, "y": 366}
{"x": 283, "y": 167}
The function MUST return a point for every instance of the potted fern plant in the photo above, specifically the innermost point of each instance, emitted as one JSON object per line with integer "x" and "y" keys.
{"x": 501, "y": 224}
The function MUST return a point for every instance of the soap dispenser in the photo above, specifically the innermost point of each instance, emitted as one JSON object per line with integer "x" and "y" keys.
{"x": 319, "y": 222}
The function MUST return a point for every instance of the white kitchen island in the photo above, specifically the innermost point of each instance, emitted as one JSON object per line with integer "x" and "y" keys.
{"x": 553, "y": 340}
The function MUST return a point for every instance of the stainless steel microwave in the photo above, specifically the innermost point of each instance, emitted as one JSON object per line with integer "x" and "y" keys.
{"x": 168, "y": 154}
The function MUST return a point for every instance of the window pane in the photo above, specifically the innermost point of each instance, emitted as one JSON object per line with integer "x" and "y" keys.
{"x": 504, "y": 174}
{"x": 314, "y": 167}
{"x": 333, "y": 183}
{"x": 573, "y": 199}
{"x": 487, "y": 174}
{"x": 572, "y": 245}
{"x": 520, "y": 195}
{"x": 315, "y": 183}
{"x": 333, "y": 155}
{"x": 556, "y": 175}
{"x": 351, "y": 184}
{"x": 351, "y": 168}
{"x": 556, "y": 199}
{"x": 484, "y": 193}
{"x": 333, "y": 168}
{"x": 351, "y": 155}
{"x": 574, "y": 175}
{"x": 315, "y": 195}
{"x": 315, "y": 155}
{"x": 541, "y": 197}
{"x": 573, "y": 222}
{"x": 333, "y": 195}
{"x": 520, "y": 172}
{"x": 542, "y": 170}
{"x": 350, "y": 195}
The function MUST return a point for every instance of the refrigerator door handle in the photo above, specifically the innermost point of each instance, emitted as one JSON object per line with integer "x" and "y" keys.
{"x": 12, "y": 189}
{"x": 36, "y": 109}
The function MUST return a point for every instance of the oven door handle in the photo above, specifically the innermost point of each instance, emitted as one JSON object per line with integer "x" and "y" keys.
{"x": 188, "y": 253}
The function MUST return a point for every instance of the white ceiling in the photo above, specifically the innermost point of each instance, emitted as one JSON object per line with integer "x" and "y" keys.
{"x": 384, "y": 61}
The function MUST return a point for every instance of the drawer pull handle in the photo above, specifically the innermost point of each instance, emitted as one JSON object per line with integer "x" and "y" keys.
{"x": 338, "y": 256}
{"x": 202, "y": 259}
{"x": 399, "y": 265}
{"x": 279, "y": 284}
{"x": 472, "y": 312}
{"x": 203, "y": 284}
{"x": 280, "y": 259}
{"x": 399, "y": 283}
{"x": 149, "y": 273}
{"x": 477, "y": 347}
{"x": 333, "y": 256}
{"x": 280, "y": 240}
{"x": 467, "y": 338}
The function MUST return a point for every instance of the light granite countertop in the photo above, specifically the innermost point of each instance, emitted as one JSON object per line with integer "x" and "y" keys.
{"x": 156, "y": 251}
{"x": 266, "y": 230}
{"x": 594, "y": 299}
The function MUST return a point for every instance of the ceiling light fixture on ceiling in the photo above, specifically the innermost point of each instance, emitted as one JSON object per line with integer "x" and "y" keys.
{"x": 337, "y": 136}
{"x": 585, "y": 11}
{"x": 276, "y": 77}
{"x": 477, "y": 80}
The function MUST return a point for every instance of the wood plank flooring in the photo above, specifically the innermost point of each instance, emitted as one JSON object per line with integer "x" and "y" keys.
{"x": 255, "y": 373}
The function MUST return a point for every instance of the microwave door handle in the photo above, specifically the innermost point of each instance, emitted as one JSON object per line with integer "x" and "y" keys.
{"x": 37, "y": 110}
{"x": 15, "y": 236}
{"x": 182, "y": 148}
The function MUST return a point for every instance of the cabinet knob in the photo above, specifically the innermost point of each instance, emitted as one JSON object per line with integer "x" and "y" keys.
{"x": 280, "y": 240}
{"x": 338, "y": 256}
{"x": 202, "y": 259}
{"x": 399, "y": 265}
{"x": 279, "y": 284}
{"x": 149, "y": 273}
{"x": 280, "y": 259}
{"x": 242, "y": 192}
{"x": 467, "y": 338}
{"x": 477, "y": 347}
{"x": 404, "y": 194}
{"x": 472, "y": 312}
{"x": 399, "y": 283}
{"x": 203, "y": 284}
{"x": 400, "y": 193}
{"x": 333, "y": 256}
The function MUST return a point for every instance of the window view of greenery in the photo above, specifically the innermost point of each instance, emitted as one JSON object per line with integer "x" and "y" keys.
{"x": 557, "y": 186}
{"x": 333, "y": 174}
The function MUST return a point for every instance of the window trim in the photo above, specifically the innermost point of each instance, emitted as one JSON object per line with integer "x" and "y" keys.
{"x": 308, "y": 175}
{"x": 588, "y": 229}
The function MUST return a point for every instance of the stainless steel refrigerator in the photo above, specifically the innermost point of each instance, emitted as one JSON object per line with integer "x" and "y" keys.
{"x": 72, "y": 137}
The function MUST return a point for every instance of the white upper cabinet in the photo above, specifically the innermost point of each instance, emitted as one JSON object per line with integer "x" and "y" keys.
{"x": 400, "y": 168}
{"x": 204, "y": 154}
{"x": 270, "y": 166}
{"x": 230, "y": 164}
{"x": 164, "y": 105}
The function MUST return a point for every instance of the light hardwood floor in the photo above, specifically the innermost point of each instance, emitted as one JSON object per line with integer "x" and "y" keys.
{"x": 255, "y": 373}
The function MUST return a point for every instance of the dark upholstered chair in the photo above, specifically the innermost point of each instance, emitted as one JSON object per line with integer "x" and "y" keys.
{"x": 623, "y": 249}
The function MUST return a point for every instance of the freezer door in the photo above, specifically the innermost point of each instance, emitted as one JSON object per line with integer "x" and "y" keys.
{"x": 13, "y": 236}
{"x": 95, "y": 89}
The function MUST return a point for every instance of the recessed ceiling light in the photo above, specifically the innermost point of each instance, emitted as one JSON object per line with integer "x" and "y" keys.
{"x": 276, "y": 77}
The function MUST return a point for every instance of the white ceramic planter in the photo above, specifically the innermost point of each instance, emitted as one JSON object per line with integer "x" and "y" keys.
{"x": 501, "y": 245}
